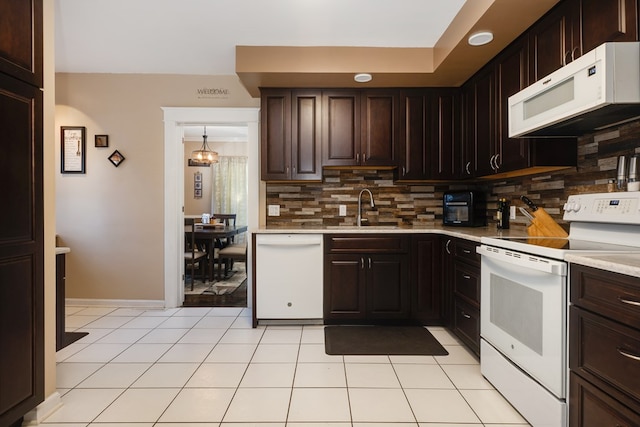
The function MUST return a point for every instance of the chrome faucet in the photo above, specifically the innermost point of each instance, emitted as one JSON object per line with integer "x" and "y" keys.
{"x": 359, "y": 219}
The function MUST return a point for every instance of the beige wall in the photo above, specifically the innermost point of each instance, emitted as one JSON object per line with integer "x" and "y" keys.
{"x": 112, "y": 218}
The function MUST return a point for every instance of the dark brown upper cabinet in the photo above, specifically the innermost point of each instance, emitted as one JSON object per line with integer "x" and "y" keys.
{"x": 607, "y": 21}
{"x": 21, "y": 40}
{"x": 414, "y": 147}
{"x": 511, "y": 77}
{"x": 446, "y": 124}
{"x": 575, "y": 27}
{"x": 359, "y": 128}
{"x": 290, "y": 143}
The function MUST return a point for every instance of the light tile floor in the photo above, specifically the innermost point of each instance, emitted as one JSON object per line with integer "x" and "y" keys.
{"x": 206, "y": 367}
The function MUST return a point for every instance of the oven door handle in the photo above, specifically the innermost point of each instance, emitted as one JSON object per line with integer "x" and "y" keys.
{"x": 545, "y": 265}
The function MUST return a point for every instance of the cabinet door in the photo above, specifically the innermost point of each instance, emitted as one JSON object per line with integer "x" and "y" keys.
{"x": 511, "y": 68}
{"x": 340, "y": 128}
{"x": 608, "y": 21}
{"x": 447, "y": 138}
{"x": 379, "y": 119}
{"x": 21, "y": 40}
{"x": 414, "y": 148}
{"x": 468, "y": 154}
{"x": 21, "y": 248}
{"x": 485, "y": 123}
{"x": 426, "y": 286}
{"x": 344, "y": 287}
{"x": 550, "y": 43}
{"x": 275, "y": 144}
{"x": 387, "y": 286}
{"x": 305, "y": 136}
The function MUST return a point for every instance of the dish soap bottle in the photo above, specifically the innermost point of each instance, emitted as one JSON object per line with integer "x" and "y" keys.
{"x": 503, "y": 214}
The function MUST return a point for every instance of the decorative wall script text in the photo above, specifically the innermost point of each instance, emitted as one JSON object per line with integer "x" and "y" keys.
{"x": 212, "y": 92}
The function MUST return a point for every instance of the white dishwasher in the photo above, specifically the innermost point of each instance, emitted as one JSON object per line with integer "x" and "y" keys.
{"x": 289, "y": 276}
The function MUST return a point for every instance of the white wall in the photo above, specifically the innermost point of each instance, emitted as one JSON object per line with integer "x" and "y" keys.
{"x": 113, "y": 218}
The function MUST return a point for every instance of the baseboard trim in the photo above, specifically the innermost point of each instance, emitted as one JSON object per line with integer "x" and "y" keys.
{"x": 43, "y": 410}
{"x": 134, "y": 303}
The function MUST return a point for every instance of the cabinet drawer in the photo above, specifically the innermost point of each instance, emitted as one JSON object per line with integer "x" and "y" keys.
{"x": 466, "y": 283}
{"x": 606, "y": 351}
{"x": 466, "y": 250}
{"x": 613, "y": 295}
{"x": 466, "y": 324}
{"x": 378, "y": 243}
{"x": 590, "y": 407}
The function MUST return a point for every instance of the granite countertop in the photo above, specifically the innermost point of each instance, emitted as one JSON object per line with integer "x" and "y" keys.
{"x": 468, "y": 233}
{"x": 628, "y": 264}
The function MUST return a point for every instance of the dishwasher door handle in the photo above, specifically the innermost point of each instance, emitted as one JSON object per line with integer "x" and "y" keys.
{"x": 287, "y": 243}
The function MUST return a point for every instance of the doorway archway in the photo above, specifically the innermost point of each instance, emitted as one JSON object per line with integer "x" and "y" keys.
{"x": 174, "y": 120}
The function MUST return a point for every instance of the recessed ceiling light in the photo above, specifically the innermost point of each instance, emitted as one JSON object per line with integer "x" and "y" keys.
{"x": 362, "y": 77}
{"x": 480, "y": 38}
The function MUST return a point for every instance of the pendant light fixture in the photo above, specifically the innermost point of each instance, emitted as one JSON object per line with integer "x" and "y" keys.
{"x": 205, "y": 154}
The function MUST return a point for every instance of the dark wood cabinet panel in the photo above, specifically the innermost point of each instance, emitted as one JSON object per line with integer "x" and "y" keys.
{"x": 608, "y": 21}
{"x": 290, "y": 142}
{"x": 590, "y": 407}
{"x": 379, "y": 134}
{"x": 604, "y": 347}
{"x": 366, "y": 278}
{"x": 21, "y": 249}
{"x": 485, "y": 121}
{"x": 468, "y": 147}
{"x": 306, "y": 141}
{"x": 340, "y": 128}
{"x": 276, "y": 134}
{"x": 21, "y": 40}
{"x": 447, "y": 138}
{"x": 414, "y": 147}
{"x": 388, "y": 286}
{"x": 426, "y": 284}
{"x": 512, "y": 76}
{"x": 344, "y": 289}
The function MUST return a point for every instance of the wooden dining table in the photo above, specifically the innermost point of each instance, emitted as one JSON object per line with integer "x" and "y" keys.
{"x": 211, "y": 234}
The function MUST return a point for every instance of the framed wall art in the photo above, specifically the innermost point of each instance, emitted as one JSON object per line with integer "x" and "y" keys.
{"x": 116, "y": 158}
{"x": 72, "y": 151}
{"x": 101, "y": 140}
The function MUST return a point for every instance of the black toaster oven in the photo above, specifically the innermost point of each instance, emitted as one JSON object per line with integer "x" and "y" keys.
{"x": 467, "y": 208}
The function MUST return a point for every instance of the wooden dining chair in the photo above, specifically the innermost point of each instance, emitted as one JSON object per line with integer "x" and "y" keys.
{"x": 194, "y": 255}
{"x": 233, "y": 252}
{"x": 229, "y": 220}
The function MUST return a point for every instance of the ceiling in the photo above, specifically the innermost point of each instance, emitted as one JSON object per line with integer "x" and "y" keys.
{"x": 302, "y": 43}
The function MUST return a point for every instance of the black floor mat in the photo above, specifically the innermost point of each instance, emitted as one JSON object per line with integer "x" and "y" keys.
{"x": 381, "y": 340}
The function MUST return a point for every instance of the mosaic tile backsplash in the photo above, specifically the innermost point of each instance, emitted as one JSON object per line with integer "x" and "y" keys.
{"x": 313, "y": 205}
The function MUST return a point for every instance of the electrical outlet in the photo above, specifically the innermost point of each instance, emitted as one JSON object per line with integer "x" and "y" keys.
{"x": 512, "y": 212}
{"x": 274, "y": 210}
{"x": 342, "y": 210}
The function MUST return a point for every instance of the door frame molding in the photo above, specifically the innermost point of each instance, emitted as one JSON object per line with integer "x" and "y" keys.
{"x": 175, "y": 118}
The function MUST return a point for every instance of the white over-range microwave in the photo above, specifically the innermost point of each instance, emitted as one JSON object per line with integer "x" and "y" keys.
{"x": 597, "y": 90}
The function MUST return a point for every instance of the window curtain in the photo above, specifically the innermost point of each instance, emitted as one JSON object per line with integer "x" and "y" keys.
{"x": 229, "y": 185}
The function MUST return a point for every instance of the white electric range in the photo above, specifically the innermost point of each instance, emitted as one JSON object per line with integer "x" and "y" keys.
{"x": 524, "y": 301}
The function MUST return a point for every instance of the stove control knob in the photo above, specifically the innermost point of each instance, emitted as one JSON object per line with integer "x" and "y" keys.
{"x": 569, "y": 206}
{"x": 576, "y": 207}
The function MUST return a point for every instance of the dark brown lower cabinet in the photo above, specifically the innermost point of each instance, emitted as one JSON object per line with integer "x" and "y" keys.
{"x": 366, "y": 278}
{"x": 427, "y": 296}
{"x": 604, "y": 348}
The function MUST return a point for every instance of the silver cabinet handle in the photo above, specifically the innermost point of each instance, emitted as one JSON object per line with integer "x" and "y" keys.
{"x": 467, "y": 168}
{"x": 564, "y": 59}
{"x": 466, "y": 276}
{"x": 628, "y": 355}
{"x": 404, "y": 171}
{"x": 496, "y": 161}
{"x": 369, "y": 263}
{"x": 357, "y": 157}
{"x": 446, "y": 247}
{"x": 361, "y": 263}
{"x": 573, "y": 51}
{"x": 465, "y": 315}
{"x": 491, "y": 162}
{"x": 364, "y": 158}
{"x": 287, "y": 170}
{"x": 629, "y": 302}
{"x": 294, "y": 169}
{"x": 466, "y": 251}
